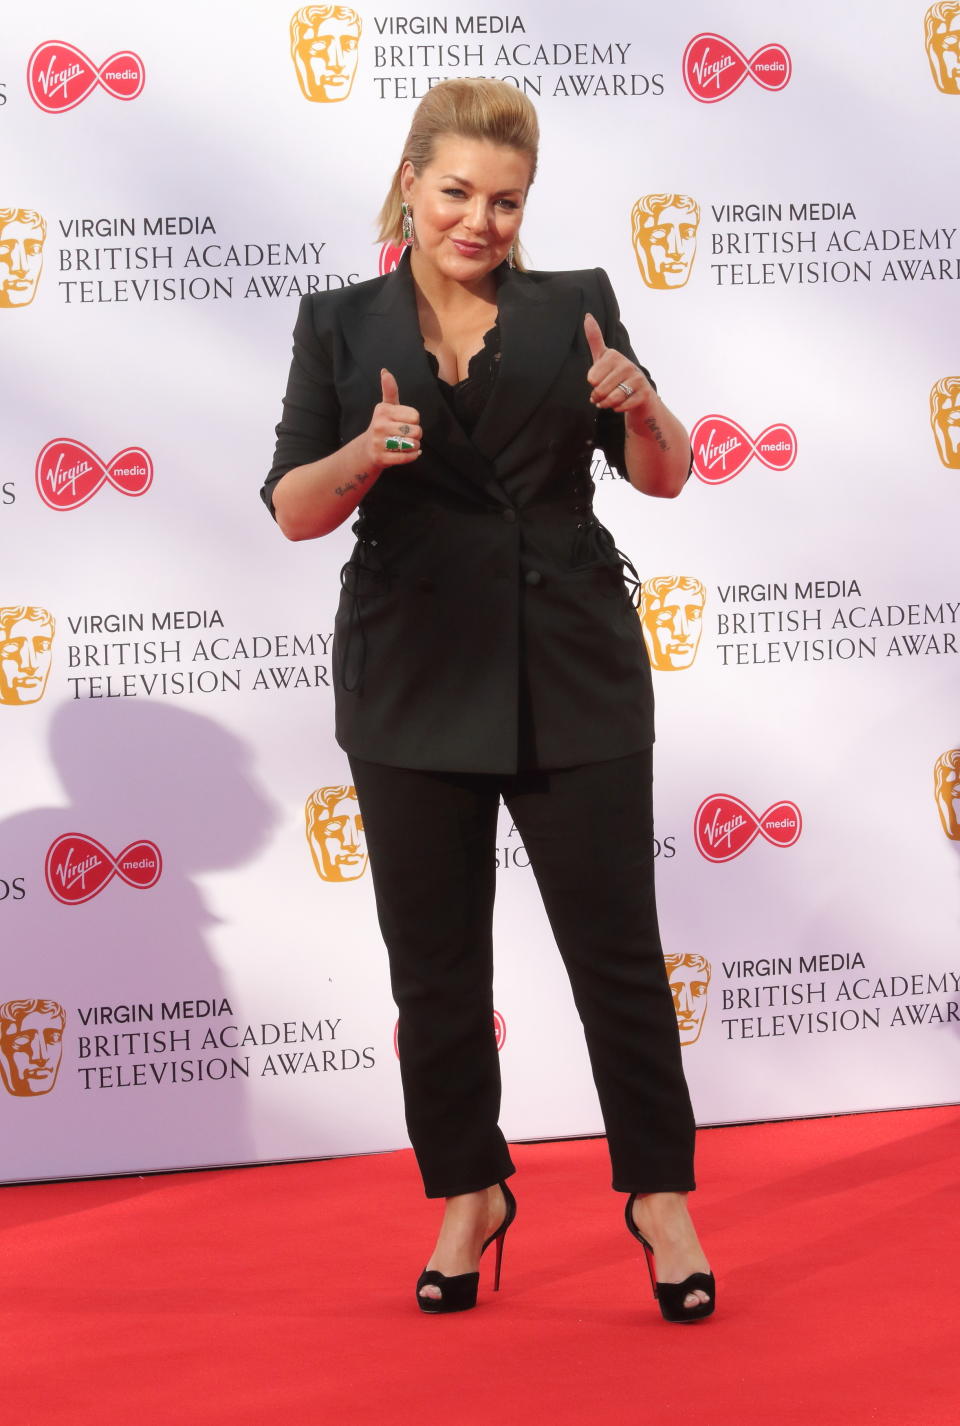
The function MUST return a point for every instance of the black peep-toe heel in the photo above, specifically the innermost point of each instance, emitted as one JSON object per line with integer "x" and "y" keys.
{"x": 460, "y": 1291}
{"x": 670, "y": 1295}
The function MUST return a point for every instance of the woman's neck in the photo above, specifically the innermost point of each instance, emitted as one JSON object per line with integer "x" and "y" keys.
{"x": 445, "y": 295}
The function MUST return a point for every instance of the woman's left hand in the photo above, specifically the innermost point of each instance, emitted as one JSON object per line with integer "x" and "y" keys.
{"x": 618, "y": 385}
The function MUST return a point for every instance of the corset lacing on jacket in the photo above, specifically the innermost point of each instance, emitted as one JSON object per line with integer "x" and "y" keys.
{"x": 363, "y": 568}
{"x": 594, "y": 544}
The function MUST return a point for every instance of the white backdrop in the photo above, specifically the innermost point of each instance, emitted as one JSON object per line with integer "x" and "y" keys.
{"x": 187, "y": 978}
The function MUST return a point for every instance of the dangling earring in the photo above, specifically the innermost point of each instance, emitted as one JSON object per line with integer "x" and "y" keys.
{"x": 511, "y": 256}
{"x": 407, "y": 212}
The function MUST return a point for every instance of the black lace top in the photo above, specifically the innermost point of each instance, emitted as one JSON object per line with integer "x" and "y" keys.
{"x": 468, "y": 397}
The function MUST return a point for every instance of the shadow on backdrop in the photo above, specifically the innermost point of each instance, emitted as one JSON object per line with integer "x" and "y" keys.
{"x": 130, "y": 771}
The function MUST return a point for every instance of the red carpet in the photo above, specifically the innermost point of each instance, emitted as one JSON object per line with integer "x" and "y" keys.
{"x": 285, "y": 1294}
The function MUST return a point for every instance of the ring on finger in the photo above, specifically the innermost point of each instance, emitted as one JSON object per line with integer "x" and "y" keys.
{"x": 398, "y": 443}
{"x": 622, "y": 386}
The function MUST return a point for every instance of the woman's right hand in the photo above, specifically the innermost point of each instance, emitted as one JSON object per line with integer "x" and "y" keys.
{"x": 391, "y": 421}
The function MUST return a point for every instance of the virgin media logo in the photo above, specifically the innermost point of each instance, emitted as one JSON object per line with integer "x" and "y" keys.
{"x": 499, "y": 1030}
{"x": 68, "y": 473}
{"x": 59, "y": 76}
{"x": 723, "y": 826}
{"x": 77, "y": 868}
{"x": 390, "y": 255}
{"x": 722, "y": 448}
{"x": 713, "y": 68}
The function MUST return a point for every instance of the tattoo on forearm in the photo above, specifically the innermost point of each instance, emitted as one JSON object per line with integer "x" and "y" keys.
{"x": 656, "y": 433}
{"x": 352, "y": 484}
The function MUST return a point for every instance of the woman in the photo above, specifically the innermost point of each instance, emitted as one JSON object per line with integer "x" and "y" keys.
{"x": 486, "y": 647}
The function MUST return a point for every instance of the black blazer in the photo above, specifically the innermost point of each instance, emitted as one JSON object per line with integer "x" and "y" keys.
{"x": 484, "y": 622}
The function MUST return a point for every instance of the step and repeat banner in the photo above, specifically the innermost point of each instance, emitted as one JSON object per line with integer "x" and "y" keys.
{"x": 191, "y": 971}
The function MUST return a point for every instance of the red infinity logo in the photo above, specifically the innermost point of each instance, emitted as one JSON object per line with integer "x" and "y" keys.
{"x": 59, "y": 76}
{"x": 713, "y": 68}
{"x": 499, "y": 1030}
{"x": 69, "y": 473}
{"x": 390, "y": 255}
{"x": 722, "y": 448}
{"x": 723, "y": 826}
{"x": 78, "y": 867}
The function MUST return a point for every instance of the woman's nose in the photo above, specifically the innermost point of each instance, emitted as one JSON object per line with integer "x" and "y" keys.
{"x": 475, "y": 217}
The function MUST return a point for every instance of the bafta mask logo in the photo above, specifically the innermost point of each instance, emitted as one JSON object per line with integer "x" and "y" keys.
{"x": 941, "y": 35}
{"x": 665, "y": 238}
{"x": 946, "y": 788}
{"x": 22, "y": 236}
{"x": 335, "y": 833}
{"x": 324, "y": 43}
{"x": 689, "y": 977}
{"x": 31, "y": 1043}
{"x": 26, "y": 648}
{"x": 945, "y": 419}
{"x": 671, "y": 611}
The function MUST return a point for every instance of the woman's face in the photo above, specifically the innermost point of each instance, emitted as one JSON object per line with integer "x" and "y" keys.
{"x": 467, "y": 205}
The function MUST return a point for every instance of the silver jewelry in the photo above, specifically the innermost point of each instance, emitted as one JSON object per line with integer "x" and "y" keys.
{"x": 408, "y": 234}
{"x": 398, "y": 443}
{"x": 622, "y": 386}
{"x": 512, "y": 256}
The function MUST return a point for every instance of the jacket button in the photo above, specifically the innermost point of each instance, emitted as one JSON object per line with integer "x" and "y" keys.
{"x": 510, "y": 516}
{"x": 533, "y": 576}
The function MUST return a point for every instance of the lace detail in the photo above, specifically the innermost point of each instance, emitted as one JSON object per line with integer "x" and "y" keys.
{"x": 467, "y": 398}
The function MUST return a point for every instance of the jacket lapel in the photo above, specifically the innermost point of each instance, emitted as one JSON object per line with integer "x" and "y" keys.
{"x": 385, "y": 332}
{"x": 538, "y": 326}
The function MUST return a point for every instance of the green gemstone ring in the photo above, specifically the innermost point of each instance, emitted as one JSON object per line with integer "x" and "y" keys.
{"x": 397, "y": 443}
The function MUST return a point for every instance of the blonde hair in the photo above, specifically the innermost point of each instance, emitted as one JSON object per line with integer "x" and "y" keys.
{"x": 487, "y": 109}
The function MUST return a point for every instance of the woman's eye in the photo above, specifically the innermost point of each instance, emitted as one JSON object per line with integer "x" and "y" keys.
{"x": 453, "y": 192}
{"x": 510, "y": 204}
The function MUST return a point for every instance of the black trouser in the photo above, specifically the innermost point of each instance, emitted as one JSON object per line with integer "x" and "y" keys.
{"x": 589, "y": 834}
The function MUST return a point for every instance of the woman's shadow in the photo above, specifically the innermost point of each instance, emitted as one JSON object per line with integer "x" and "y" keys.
{"x": 130, "y": 771}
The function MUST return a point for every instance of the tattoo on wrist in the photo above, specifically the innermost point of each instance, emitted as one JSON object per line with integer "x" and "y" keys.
{"x": 656, "y": 433}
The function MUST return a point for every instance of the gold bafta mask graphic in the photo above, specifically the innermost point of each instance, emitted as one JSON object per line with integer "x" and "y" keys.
{"x": 22, "y": 236}
{"x": 946, "y": 788}
{"x": 26, "y": 648}
{"x": 945, "y": 419}
{"x": 324, "y": 42}
{"x": 31, "y": 1043}
{"x": 941, "y": 35}
{"x": 689, "y": 978}
{"x": 671, "y": 611}
{"x": 335, "y": 833}
{"x": 665, "y": 238}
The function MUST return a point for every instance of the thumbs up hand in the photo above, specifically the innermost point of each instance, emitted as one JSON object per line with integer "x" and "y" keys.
{"x": 618, "y": 385}
{"x": 394, "y": 434}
